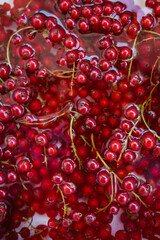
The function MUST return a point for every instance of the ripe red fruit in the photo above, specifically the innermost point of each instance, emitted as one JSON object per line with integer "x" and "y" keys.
{"x": 38, "y": 20}
{"x": 157, "y": 9}
{"x": 122, "y": 198}
{"x": 147, "y": 22}
{"x": 5, "y": 70}
{"x": 26, "y": 51}
{"x": 129, "y": 183}
{"x": 125, "y": 53}
{"x": 5, "y": 113}
{"x": 56, "y": 34}
{"x": 148, "y": 140}
{"x": 115, "y": 145}
{"x": 24, "y": 165}
{"x": 131, "y": 112}
{"x": 103, "y": 177}
{"x": 64, "y": 5}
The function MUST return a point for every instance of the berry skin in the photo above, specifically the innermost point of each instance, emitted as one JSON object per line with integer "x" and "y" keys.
{"x": 129, "y": 184}
{"x": 106, "y": 24}
{"x": 104, "y": 43}
{"x": 41, "y": 139}
{"x": 117, "y": 27}
{"x": 147, "y": 22}
{"x": 3, "y": 211}
{"x": 26, "y": 51}
{"x": 5, "y": 113}
{"x": 133, "y": 207}
{"x": 83, "y": 25}
{"x": 52, "y": 150}
{"x": 70, "y": 42}
{"x": 133, "y": 29}
{"x": 148, "y": 140}
{"x": 93, "y": 165}
{"x": 103, "y": 177}
{"x": 56, "y": 34}
{"x": 122, "y": 198}
{"x": 125, "y": 53}
{"x": 21, "y": 95}
{"x": 38, "y": 20}
{"x": 11, "y": 141}
{"x": 72, "y": 56}
{"x": 5, "y": 70}
{"x": 115, "y": 145}
{"x": 157, "y": 9}
{"x": 68, "y": 188}
{"x": 131, "y": 113}
{"x": 108, "y": 8}
{"x": 32, "y": 65}
{"x": 68, "y": 165}
{"x": 64, "y": 5}
{"x": 50, "y": 22}
{"x": 110, "y": 156}
{"x": 134, "y": 144}
{"x": 110, "y": 54}
{"x": 24, "y": 165}
{"x": 144, "y": 190}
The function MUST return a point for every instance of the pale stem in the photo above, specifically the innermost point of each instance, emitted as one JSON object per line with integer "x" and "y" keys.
{"x": 84, "y": 139}
{"x": 127, "y": 138}
{"x": 23, "y": 185}
{"x": 58, "y": 73}
{"x": 107, "y": 167}
{"x": 130, "y": 65}
{"x": 9, "y": 41}
{"x": 98, "y": 155}
{"x": 37, "y": 231}
{"x": 2, "y": 80}
{"x": 151, "y": 77}
{"x": 72, "y": 142}
{"x": 50, "y": 118}
{"x": 112, "y": 195}
{"x": 72, "y": 79}
{"x": 142, "y": 114}
{"x": 45, "y": 156}
{"x": 63, "y": 200}
{"x": 28, "y": 3}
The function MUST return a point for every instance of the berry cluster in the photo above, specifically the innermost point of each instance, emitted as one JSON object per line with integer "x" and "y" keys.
{"x": 79, "y": 120}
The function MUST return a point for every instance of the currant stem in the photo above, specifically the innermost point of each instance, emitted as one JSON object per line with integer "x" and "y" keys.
{"x": 151, "y": 77}
{"x": 126, "y": 140}
{"x": 142, "y": 114}
{"x": 72, "y": 79}
{"x": 138, "y": 197}
{"x": 23, "y": 185}
{"x": 49, "y": 119}
{"x": 9, "y": 41}
{"x": 130, "y": 65}
{"x": 45, "y": 156}
{"x": 147, "y": 39}
{"x": 28, "y": 4}
{"x": 148, "y": 31}
{"x": 64, "y": 202}
{"x": 41, "y": 100}
{"x": 72, "y": 142}
{"x": 98, "y": 155}
{"x": 112, "y": 196}
{"x": 60, "y": 73}
{"x": 2, "y": 81}
{"x": 84, "y": 139}
{"x": 12, "y": 165}
{"x": 150, "y": 95}
{"x": 37, "y": 231}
